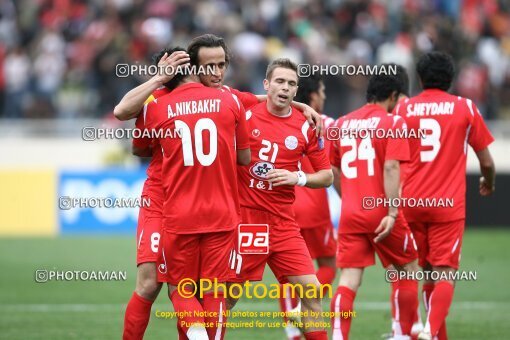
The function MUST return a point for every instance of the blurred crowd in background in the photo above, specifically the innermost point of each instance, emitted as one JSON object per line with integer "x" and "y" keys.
{"x": 58, "y": 57}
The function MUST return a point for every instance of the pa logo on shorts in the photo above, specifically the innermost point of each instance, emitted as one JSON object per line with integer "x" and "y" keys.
{"x": 260, "y": 169}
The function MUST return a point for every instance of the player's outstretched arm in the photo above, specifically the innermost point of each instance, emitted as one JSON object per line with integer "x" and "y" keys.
{"x": 312, "y": 116}
{"x": 319, "y": 179}
{"x": 391, "y": 189}
{"x": 130, "y": 105}
{"x": 488, "y": 169}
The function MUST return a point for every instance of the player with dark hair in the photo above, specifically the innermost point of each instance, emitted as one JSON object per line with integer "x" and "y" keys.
{"x": 201, "y": 199}
{"x": 150, "y": 217}
{"x": 418, "y": 324}
{"x": 436, "y": 71}
{"x": 213, "y": 53}
{"x": 437, "y": 171}
{"x": 280, "y": 136}
{"x": 371, "y": 168}
{"x": 316, "y": 228}
{"x": 210, "y": 50}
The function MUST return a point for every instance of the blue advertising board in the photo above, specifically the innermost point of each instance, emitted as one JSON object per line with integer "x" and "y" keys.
{"x": 96, "y": 186}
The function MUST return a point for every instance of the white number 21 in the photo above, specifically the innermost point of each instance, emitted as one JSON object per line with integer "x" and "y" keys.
{"x": 264, "y": 151}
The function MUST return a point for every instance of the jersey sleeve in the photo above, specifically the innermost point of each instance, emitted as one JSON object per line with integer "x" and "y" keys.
{"x": 242, "y": 137}
{"x": 334, "y": 149}
{"x": 397, "y": 148}
{"x": 315, "y": 150}
{"x": 141, "y": 142}
{"x": 145, "y": 142}
{"x": 247, "y": 99}
{"x": 479, "y": 135}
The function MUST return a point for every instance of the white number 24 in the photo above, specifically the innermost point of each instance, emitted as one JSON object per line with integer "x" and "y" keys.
{"x": 365, "y": 151}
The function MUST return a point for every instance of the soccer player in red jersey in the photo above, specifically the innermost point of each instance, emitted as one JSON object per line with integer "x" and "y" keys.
{"x": 418, "y": 324}
{"x": 211, "y": 50}
{"x": 316, "y": 228}
{"x": 205, "y": 50}
{"x": 369, "y": 169}
{"x": 150, "y": 218}
{"x": 201, "y": 205}
{"x": 280, "y": 136}
{"x": 437, "y": 170}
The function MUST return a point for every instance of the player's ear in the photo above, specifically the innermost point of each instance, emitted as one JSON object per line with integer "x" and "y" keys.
{"x": 266, "y": 84}
{"x": 394, "y": 96}
{"x": 313, "y": 96}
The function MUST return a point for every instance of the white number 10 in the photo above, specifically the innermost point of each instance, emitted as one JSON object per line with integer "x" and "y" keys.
{"x": 187, "y": 145}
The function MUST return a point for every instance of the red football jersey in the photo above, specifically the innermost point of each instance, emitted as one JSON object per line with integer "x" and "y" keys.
{"x": 438, "y": 161}
{"x": 199, "y": 169}
{"x": 311, "y": 206}
{"x": 361, "y": 164}
{"x": 276, "y": 143}
{"x": 152, "y": 187}
{"x": 248, "y": 99}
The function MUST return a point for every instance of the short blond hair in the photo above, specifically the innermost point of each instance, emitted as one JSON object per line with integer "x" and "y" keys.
{"x": 280, "y": 62}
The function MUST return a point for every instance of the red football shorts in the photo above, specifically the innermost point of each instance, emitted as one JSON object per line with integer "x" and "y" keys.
{"x": 195, "y": 256}
{"x": 439, "y": 243}
{"x": 321, "y": 241}
{"x": 150, "y": 220}
{"x": 288, "y": 254}
{"x": 358, "y": 250}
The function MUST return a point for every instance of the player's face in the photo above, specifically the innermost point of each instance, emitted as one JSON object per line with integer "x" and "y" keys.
{"x": 318, "y": 98}
{"x": 215, "y": 57}
{"x": 282, "y": 87}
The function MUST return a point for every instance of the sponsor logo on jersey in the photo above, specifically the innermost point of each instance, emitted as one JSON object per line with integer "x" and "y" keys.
{"x": 260, "y": 169}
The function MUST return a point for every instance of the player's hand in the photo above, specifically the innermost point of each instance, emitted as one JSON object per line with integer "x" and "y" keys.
{"x": 485, "y": 189}
{"x": 279, "y": 177}
{"x": 314, "y": 119}
{"x": 384, "y": 228}
{"x": 167, "y": 63}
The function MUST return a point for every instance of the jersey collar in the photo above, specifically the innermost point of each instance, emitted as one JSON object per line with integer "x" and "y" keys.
{"x": 189, "y": 86}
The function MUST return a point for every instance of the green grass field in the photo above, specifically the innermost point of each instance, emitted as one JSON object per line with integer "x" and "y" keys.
{"x": 95, "y": 310}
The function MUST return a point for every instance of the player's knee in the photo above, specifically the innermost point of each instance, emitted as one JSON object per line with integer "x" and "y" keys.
{"x": 231, "y": 302}
{"x": 409, "y": 267}
{"x": 327, "y": 262}
{"x": 312, "y": 294}
{"x": 148, "y": 288}
{"x": 351, "y": 282}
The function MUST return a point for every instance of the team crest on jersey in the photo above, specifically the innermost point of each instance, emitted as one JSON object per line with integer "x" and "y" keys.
{"x": 260, "y": 169}
{"x": 255, "y": 132}
{"x": 291, "y": 142}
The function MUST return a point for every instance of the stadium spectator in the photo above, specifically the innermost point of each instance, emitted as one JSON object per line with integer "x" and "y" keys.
{"x": 95, "y": 36}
